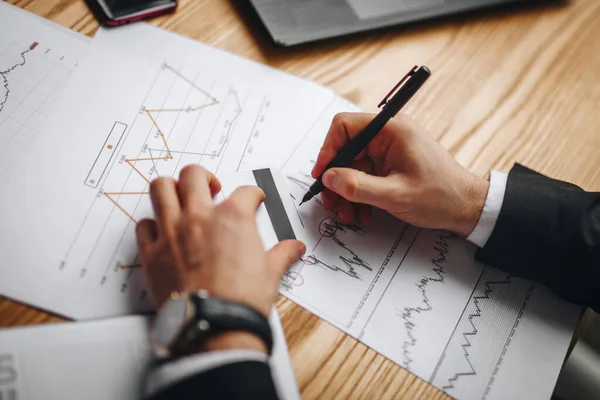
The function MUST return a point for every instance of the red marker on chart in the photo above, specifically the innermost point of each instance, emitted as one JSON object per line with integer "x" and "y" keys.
{"x": 33, "y": 45}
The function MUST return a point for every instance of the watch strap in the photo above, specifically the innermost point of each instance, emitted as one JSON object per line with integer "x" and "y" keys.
{"x": 223, "y": 315}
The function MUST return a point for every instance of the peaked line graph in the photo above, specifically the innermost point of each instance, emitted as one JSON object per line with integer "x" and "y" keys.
{"x": 169, "y": 155}
{"x": 328, "y": 229}
{"x": 303, "y": 181}
{"x": 113, "y": 196}
{"x": 11, "y": 69}
{"x": 442, "y": 247}
{"x": 473, "y": 332}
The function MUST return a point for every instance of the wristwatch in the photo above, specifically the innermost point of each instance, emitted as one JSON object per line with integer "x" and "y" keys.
{"x": 186, "y": 320}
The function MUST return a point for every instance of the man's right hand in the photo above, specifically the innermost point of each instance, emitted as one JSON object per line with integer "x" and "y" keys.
{"x": 403, "y": 171}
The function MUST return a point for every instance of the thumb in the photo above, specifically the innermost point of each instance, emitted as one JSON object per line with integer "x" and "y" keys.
{"x": 357, "y": 186}
{"x": 284, "y": 254}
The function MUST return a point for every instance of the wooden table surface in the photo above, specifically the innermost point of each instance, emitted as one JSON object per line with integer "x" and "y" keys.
{"x": 506, "y": 87}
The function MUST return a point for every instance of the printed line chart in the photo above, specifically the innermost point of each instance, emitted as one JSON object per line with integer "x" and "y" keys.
{"x": 475, "y": 350}
{"x": 337, "y": 251}
{"x": 187, "y": 117}
{"x": 31, "y": 79}
{"x": 20, "y": 62}
{"x": 471, "y": 332}
{"x": 153, "y": 115}
{"x": 334, "y": 237}
{"x": 331, "y": 228}
{"x": 408, "y": 313}
{"x": 416, "y": 296}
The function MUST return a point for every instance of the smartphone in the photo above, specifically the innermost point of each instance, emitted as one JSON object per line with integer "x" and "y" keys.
{"x": 119, "y": 12}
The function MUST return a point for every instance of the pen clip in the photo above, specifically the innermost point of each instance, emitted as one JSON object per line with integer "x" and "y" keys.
{"x": 397, "y": 88}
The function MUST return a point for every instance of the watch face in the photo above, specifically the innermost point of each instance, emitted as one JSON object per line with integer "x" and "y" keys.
{"x": 169, "y": 321}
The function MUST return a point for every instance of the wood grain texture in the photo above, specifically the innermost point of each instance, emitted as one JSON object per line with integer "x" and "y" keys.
{"x": 506, "y": 87}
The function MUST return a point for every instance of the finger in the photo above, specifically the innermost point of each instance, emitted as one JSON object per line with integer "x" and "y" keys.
{"x": 329, "y": 199}
{"x": 165, "y": 201}
{"x": 196, "y": 187}
{"x": 283, "y": 255}
{"x": 357, "y": 186}
{"x": 364, "y": 165}
{"x": 344, "y": 127}
{"x": 160, "y": 280}
{"x": 146, "y": 233}
{"x": 364, "y": 213}
{"x": 346, "y": 211}
{"x": 245, "y": 200}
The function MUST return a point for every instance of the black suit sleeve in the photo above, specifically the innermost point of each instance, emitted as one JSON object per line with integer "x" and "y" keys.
{"x": 548, "y": 231}
{"x": 241, "y": 380}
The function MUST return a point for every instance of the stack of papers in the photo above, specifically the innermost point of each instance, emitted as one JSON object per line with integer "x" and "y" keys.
{"x": 144, "y": 103}
{"x": 104, "y": 359}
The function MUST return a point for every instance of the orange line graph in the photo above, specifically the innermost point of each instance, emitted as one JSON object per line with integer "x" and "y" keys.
{"x": 116, "y": 203}
{"x": 132, "y": 266}
{"x": 132, "y": 162}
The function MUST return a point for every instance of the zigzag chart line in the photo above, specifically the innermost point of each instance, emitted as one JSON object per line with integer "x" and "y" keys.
{"x": 169, "y": 154}
{"x": 473, "y": 332}
{"x": 329, "y": 228}
{"x": 11, "y": 69}
{"x": 442, "y": 248}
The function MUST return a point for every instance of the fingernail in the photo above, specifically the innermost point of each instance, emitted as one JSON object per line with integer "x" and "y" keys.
{"x": 301, "y": 250}
{"x": 330, "y": 179}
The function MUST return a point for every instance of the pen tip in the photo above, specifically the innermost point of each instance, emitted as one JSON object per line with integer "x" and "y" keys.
{"x": 306, "y": 198}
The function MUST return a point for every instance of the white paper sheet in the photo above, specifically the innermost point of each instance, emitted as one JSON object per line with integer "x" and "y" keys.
{"x": 418, "y": 297}
{"x": 102, "y": 360}
{"x": 123, "y": 121}
{"x": 37, "y": 58}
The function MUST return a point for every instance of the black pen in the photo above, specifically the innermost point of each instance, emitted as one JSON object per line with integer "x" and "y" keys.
{"x": 390, "y": 106}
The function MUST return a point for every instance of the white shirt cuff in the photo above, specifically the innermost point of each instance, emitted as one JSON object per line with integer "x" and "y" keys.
{"x": 491, "y": 209}
{"x": 170, "y": 373}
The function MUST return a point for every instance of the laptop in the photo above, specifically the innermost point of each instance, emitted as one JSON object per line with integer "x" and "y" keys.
{"x": 292, "y": 22}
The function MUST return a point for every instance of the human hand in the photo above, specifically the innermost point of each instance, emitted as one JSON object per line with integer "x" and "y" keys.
{"x": 403, "y": 171}
{"x": 195, "y": 244}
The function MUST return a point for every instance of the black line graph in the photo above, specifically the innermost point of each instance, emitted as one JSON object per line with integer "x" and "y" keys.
{"x": 438, "y": 261}
{"x": 291, "y": 279}
{"x": 333, "y": 250}
{"x": 482, "y": 334}
{"x": 330, "y": 228}
{"x": 473, "y": 329}
{"x": 350, "y": 271}
{"x": 303, "y": 180}
{"x": 31, "y": 78}
{"x": 19, "y": 63}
